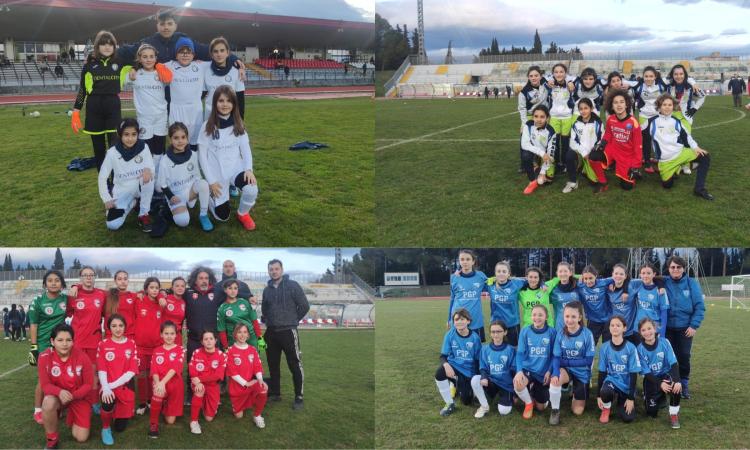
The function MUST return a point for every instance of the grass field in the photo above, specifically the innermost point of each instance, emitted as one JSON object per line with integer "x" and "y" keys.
{"x": 381, "y": 77}
{"x": 321, "y": 197}
{"x": 407, "y": 403}
{"x": 338, "y": 413}
{"x": 450, "y": 167}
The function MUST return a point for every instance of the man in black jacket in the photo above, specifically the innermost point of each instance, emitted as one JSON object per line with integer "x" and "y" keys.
{"x": 284, "y": 305}
{"x": 737, "y": 88}
{"x": 229, "y": 272}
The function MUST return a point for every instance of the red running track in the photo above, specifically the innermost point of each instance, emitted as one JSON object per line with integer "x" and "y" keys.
{"x": 70, "y": 96}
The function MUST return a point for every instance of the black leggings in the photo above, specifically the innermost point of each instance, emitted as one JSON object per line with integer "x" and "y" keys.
{"x": 156, "y": 144}
{"x": 527, "y": 162}
{"x": 653, "y": 394}
{"x": 101, "y": 145}
{"x": 646, "y": 142}
{"x": 610, "y": 393}
{"x": 571, "y": 164}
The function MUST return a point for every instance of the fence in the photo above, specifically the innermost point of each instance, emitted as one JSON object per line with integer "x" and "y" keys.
{"x": 72, "y": 274}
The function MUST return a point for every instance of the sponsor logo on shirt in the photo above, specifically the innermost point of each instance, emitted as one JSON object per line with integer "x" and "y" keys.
{"x": 211, "y": 296}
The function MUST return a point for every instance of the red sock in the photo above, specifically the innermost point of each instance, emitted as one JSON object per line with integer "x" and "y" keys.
{"x": 156, "y": 404}
{"x": 143, "y": 386}
{"x": 52, "y": 437}
{"x": 106, "y": 418}
{"x": 259, "y": 403}
{"x": 195, "y": 408}
{"x": 599, "y": 171}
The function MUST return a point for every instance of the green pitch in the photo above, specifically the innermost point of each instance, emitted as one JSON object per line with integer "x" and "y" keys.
{"x": 338, "y": 412}
{"x": 314, "y": 197}
{"x": 408, "y": 340}
{"x": 452, "y": 167}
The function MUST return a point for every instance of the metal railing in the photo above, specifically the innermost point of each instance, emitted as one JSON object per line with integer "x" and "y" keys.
{"x": 362, "y": 285}
{"x": 390, "y": 84}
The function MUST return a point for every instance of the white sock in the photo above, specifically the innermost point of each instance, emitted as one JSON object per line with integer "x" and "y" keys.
{"x": 201, "y": 188}
{"x": 673, "y": 410}
{"x": 476, "y": 386}
{"x": 504, "y": 410}
{"x": 156, "y": 159}
{"x": 36, "y": 410}
{"x": 147, "y": 192}
{"x": 555, "y": 392}
{"x": 247, "y": 199}
{"x": 444, "y": 387}
{"x": 524, "y": 395}
{"x": 606, "y": 405}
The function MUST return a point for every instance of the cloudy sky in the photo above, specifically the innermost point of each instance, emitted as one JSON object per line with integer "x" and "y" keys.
{"x": 354, "y": 10}
{"x": 315, "y": 260}
{"x": 665, "y": 27}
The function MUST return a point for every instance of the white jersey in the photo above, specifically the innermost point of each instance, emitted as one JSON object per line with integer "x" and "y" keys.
{"x": 539, "y": 141}
{"x": 669, "y": 137}
{"x": 223, "y": 155}
{"x": 150, "y": 104}
{"x": 126, "y": 174}
{"x": 178, "y": 172}
{"x": 692, "y": 97}
{"x": 585, "y": 135}
{"x": 560, "y": 99}
{"x": 213, "y": 81}
{"x": 647, "y": 95}
{"x": 187, "y": 83}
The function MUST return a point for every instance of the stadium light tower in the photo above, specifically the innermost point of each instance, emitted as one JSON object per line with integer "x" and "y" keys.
{"x": 420, "y": 19}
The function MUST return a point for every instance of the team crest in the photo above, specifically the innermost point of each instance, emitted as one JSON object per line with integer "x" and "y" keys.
{"x": 624, "y": 358}
{"x": 504, "y": 359}
{"x": 62, "y": 305}
{"x": 115, "y": 66}
{"x": 79, "y": 369}
{"x": 686, "y": 292}
{"x": 48, "y": 310}
{"x": 543, "y": 140}
{"x": 156, "y": 77}
{"x": 194, "y": 68}
{"x": 214, "y": 364}
{"x": 628, "y": 126}
{"x": 650, "y": 296}
{"x": 199, "y": 367}
{"x": 195, "y": 296}
{"x": 242, "y": 307}
{"x": 660, "y": 355}
{"x": 55, "y": 371}
{"x": 237, "y": 360}
{"x": 476, "y": 285}
{"x": 159, "y": 359}
{"x": 158, "y": 314}
{"x": 250, "y": 357}
{"x": 139, "y": 159}
{"x": 545, "y": 341}
{"x": 190, "y": 167}
{"x": 69, "y": 371}
{"x": 97, "y": 303}
{"x": 128, "y": 353}
{"x": 141, "y": 133}
{"x": 228, "y": 78}
{"x": 170, "y": 307}
{"x": 211, "y": 296}
{"x": 80, "y": 304}
{"x": 579, "y": 344}
{"x": 109, "y": 356}
{"x": 144, "y": 312}
{"x": 230, "y": 313}
{"x": 172, "y": 356}
{"x": 469, "y": 345}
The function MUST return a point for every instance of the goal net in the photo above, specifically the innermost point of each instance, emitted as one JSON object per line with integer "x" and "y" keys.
{"x": 739, "y": 291}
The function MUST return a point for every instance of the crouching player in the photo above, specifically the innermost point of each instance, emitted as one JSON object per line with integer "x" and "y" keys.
{"x": 166, "y": 377}
{"x": 207, "y": 367}
{"x": 245, "y": 371}
{"x": 459, "y": 359}
{"x": 618, "y": 372}
{"x": 661, "y": 374}
{"x": 66, "y": 376}
{"x": 533, "y": 362}
{"x": 495, "y": 365}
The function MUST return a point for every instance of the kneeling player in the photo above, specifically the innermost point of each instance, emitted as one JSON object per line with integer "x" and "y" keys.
{"x": 180, "y": 179}
{"x": 66, "y": 376}
{"x": 207, "y": 367}
{"x": 660, "y": 370}
{"x": 117, "y": 364}
{"x": 245, "y": 371}
{"x": 618, "y": 372}
{"x": 166, "y": 376}
{"x": 495, "y": 364}
{"x": 459, "y": 360}
{"x": 533, "y": 362}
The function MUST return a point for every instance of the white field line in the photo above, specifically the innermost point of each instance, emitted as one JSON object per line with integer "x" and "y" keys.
{"x": 742, "y": 116}
{"x": 419, "y": 138}
{"x": 13, "y": 370}
{"x": 453, "y": 140}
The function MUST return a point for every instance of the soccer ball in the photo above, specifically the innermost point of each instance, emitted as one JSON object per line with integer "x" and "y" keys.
{"x": 70, "y": 113}
{"x": 35, "y": 114}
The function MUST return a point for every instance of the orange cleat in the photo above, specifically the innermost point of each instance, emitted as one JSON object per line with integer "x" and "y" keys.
{"x": 528, "y": 410}
{"x": 531, "y": 187}
{"x": 246, "y": 221}
{"x": 604, "y": 418}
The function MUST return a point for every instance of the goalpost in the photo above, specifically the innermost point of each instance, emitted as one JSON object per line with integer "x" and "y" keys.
{"x": 737, "y": 291}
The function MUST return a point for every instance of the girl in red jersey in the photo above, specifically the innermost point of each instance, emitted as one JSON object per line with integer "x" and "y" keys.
{"x": 147, "y": 337}
{"x": 621, "y": 143}
{"x": 121, "y": 301}
{"x": 66, "y": 376}
{"x": 245, "y": 371}
{"x": 173, "y": 306}
{"x": 206, "y": 370}
{"x": 166, "y": 377}
{"x": 117, "y": 362}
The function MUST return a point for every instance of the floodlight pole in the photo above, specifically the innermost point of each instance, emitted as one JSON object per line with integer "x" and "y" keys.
{"x": 420, "y": 19}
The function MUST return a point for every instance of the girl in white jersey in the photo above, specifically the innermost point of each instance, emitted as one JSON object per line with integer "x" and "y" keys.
{"x": 561, "y": 104}
{"x": 133, "y": 168}
{"x": 221, "y": 73}
{"x": 186, "y": 88}
{"x": 226, "y": 159}
{"x": 646, "y": 92}
{"x": 180, "y": 179}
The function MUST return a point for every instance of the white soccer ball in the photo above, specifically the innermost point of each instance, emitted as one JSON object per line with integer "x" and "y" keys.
{"x": 35, "y": 114}
{"x": 70, "y": 113}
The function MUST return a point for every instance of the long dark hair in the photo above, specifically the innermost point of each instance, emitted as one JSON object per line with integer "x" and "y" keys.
{"x": 212, "y": 124}
{"x": 618, "y": 93}
{"x": 578, "y": 306}
{"x": 193, "y": 277}
{"x": 671, "y": 74}
{"x": 53, "y": 272}
{"x": 104, "y": 37}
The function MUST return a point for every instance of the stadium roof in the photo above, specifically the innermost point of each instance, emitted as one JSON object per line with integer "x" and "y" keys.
{"x": 80, "y": 20}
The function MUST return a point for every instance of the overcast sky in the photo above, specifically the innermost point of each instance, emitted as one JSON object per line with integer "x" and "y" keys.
{"x": 315, "y": 260}
{"x": 354, "y": 10}
{"x": 663, "y": 26}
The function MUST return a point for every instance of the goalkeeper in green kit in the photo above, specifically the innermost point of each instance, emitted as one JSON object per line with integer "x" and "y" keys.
{"x": 537, "y": 293}
{"x": 45, "y": 313}
{"x": 233, "y": 312}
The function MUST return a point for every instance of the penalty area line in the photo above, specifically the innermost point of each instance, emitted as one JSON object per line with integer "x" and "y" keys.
{"x": 13, "y": 370}
{"x": 452, "y": 140}
{"x": 742, "y": 116}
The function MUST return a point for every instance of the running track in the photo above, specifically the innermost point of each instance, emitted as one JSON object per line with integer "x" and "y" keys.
{"x": 69, "y": 97}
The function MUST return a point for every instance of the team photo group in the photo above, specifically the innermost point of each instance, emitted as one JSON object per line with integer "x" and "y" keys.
{"x": 115, "y": 354}
{"x": 543, "y": 338}
{"x": 588, "y": 123}
{"x": 190, "y": 92}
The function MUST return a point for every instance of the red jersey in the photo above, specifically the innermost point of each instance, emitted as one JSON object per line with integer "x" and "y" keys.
{"x": 126, "y": 308}
{"x": 243, "y": 362}
{"x": 175, "y": 311}
{"x": 74, "y": 375}
{"x": 147, "y": 323}
{"x": 624, "y": 142}
{"x": 162, "y": 360}
{"x": 116, "y": 358}
{"x": 208, "y": 367}
{"x": 87, "y": 309}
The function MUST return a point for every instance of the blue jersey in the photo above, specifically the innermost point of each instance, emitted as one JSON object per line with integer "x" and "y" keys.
{"x": 619, "y": 364}
{"x": 466, "y": 292}
{"x": 594, "y": 299}
{"x": 576, "y": 346}
{"x": 559, "y": 298}
{"x": 686, "y": 307}
{"x": 504, "y": 301}
{"x": 659, "y": 360}
{"x": 624, "y": 307}
{"x": 651, "y": 304}
{"x": 496, "y": 364}
{"x": 462, "y": 352}
{"x": 534, "y": 352}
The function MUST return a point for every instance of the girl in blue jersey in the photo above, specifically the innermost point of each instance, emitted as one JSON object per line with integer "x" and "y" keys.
{"x": 533, "y": 362}
{"x": 504, "y": 302}
{"x": 661, "y": 375}
{"x": 621, "y": 302}
{"x": 618, "y": 373}
{"x": 459, "y": 361}
{"x": 495, "y": 377}
{"x": 466, "y": 291}
{"x": 572, "y": 356}
{"x": 564, "y": 293}
{"x": 651, "y": 300}
{"x": 593, "y": 294}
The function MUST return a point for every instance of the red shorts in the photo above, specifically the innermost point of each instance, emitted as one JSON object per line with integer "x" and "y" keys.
{"x": 144, "y": 359}
{"x": 210, "y": 399}
{"x": 246, "y": 397}
{"x": 124, "y": 402}
{"x": 79, "y": 413}
{"x": 175, "y": 396}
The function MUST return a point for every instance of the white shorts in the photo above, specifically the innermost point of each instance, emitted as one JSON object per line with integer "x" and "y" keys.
{"x": 224, "y": 196}
{"x": 125, "y": 196}
{"x": 154, "y": 124}
{"x": 184, "y": 197}
{"x": 191, "y": 116}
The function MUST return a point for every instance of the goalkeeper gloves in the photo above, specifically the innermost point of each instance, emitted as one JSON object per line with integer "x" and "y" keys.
{"x": 165, "y": 75}
{"x": 75, "y": 121}
{"x": 261, "y": 343}
{"x": 33, "y": 354}
{"x": 691, "y": 112}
